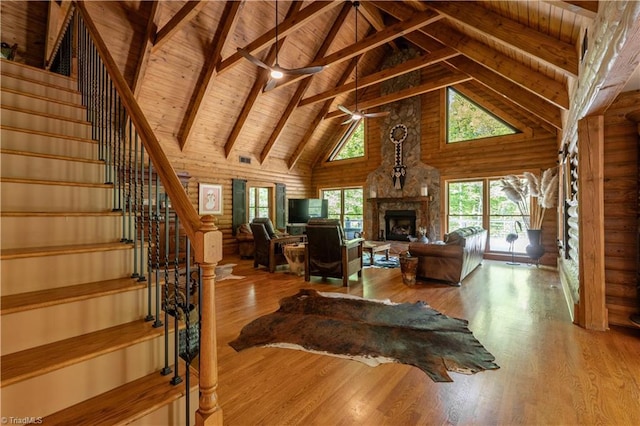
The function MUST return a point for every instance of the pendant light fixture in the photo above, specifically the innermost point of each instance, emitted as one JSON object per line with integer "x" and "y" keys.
{"x": 357, "y": 114}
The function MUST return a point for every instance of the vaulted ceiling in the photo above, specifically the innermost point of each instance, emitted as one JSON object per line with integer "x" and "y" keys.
{"x": 197, "y": 89}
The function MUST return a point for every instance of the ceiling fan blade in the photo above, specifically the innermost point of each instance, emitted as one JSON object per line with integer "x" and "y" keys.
{"x": 253, "y": 59}
{"x": 306, "y": 70}
{"x": 344, "y": 109}
{"x": 271, "y": 84}
{"x": 347, "y": 121}
{"x": 376, "y": 114}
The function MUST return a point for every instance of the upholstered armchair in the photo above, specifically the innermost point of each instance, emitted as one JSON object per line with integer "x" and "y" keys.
{"x": 268, "y": 245}
{"x": 329, "y": 254}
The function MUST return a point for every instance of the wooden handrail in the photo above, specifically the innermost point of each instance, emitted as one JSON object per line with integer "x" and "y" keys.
{"x": 205, "y": 237}
{"x": 179, "y": 199}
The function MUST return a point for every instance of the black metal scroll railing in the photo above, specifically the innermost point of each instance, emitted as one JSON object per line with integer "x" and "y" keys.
{"x": 161, "y": 249}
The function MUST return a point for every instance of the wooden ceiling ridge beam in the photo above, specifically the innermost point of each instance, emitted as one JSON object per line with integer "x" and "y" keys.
{"x": 256, "y": 89}
{"x": 562, "y": 56}
{"x": 287, "y": 26}
{"x": 320, "y": 116}
{"x": 387, "y": 74}
{"x": 439, "y": 33}
{"x": 227, "y": 22}
{"x": 304, "y": 84}
{"x": 374, "y": 17}
{"x": 184, "y": 15}
{"x": 439, "y": 83}
{"x": 145, "y": 49}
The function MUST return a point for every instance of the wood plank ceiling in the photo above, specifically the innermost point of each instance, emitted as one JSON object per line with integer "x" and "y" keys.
{"x": 197, "y": 89}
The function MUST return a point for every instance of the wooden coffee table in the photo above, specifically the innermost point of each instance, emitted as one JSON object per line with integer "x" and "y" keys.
{"x": 375, "y": 247}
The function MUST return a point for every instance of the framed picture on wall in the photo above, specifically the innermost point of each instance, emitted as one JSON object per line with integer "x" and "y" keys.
{"x": 209, "y": 198}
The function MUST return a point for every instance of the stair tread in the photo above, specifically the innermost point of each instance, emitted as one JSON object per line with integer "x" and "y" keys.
{"x": 54, "y": 296}
{"x": 126, "y": 403}
{"x": 57, "y": 250}
{"x": 40, "y": 82}
{"x": 56, "y": 182}
{"x": 45, "y": 114}
{"x": 56, "y": 214}
{"x": 44, "y": 98}
{"x": 50, "y": 156}
{"x": 49, "y": 134}
{"x": 33, "y": 362}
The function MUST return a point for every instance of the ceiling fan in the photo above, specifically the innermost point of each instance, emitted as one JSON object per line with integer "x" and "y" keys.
{"x": 357, "y": 114}
{"x": 276, "y": 72}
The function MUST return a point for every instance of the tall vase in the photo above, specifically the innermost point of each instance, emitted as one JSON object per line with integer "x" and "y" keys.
{"x": 535, "y": 249}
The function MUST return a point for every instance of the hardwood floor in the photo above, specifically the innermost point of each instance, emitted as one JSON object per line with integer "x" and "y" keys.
{"x": 551, "y": 371}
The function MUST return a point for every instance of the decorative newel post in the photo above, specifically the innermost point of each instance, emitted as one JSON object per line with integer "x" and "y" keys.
{"x": 208, "y": 245}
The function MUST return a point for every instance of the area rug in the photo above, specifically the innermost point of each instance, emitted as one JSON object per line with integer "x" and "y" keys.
{"x": 225, "y": 272}
{"x": 370, "y": 331}
{"x": 380, "y": 261}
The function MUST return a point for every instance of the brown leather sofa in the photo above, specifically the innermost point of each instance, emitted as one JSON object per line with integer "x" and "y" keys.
{"x": 461, "y": 253}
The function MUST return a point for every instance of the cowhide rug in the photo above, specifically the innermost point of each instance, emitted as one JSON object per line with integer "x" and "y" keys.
{"x": 371, "y": 331}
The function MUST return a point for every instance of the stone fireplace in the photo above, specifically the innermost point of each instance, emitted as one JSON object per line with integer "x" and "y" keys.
{"x": 420, "y": 191}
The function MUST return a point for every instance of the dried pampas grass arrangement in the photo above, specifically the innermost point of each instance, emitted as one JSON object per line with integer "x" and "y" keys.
{"x": 543, "y": 188}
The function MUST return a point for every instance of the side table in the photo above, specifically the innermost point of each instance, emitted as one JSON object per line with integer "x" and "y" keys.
{"x": 408, "y": 267}
{"x": 294, "y": 253}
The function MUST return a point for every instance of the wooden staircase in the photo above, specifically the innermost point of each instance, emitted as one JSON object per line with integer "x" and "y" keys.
{"x": 75, "y": 348}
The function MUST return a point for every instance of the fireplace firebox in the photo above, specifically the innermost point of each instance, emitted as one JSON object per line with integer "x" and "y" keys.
{"x": 400, "y": 224}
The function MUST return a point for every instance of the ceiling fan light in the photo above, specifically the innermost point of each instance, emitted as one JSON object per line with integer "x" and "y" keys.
{"x": 276, "y": 74}
{"x": 356, "y": 116}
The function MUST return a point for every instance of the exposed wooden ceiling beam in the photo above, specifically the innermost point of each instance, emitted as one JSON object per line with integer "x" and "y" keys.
{"x": 374, "y": 17}
{"x": 495, "y": 82}
{"x": 304, "y": 84}
{"x": 285, "y": 27}
{"x": 391, "y": 32}
{"x": 378, "y": 77}
{"x": 588, "y": 9}
{"x": 256, "y": 89}
{"x": 379, "y": 38}
{"x": 319, "y": 116}
{"x": 537, "y": 83}
{"x": 439, "y": 83}
{"x": 536, "y": 106}
{"x": 184, "y": 15}
{"x": 562, "y": 56}
{"x": 227, "y": 23}
{"x": 145, "y": 49}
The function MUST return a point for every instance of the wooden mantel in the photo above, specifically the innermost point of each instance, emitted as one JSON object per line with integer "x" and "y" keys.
{"x": 422, "y": 218}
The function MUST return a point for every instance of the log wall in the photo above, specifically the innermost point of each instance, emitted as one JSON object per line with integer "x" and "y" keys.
{"x": 621, "y": 209}
{"x": 25, "y": 23}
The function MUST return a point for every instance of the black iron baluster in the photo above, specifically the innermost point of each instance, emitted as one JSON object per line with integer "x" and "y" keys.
{"x": 136, "y": 214}
{"x": 142, "y": 276}
{"x": 149, "y": 212}
{"x": 176, "y": 291}
{"x": 157, "y": 322}
{"x": 167, "y": 369}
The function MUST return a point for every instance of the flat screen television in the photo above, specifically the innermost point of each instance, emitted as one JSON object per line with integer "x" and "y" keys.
{"x": 303, "y": 209}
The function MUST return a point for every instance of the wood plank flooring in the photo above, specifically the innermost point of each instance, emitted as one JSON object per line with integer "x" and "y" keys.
{"x": 551, "y": 371}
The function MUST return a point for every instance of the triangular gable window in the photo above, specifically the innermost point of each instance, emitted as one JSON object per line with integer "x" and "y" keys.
{"x": 351, "y": 145}
{"x": 466, "y": 120}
